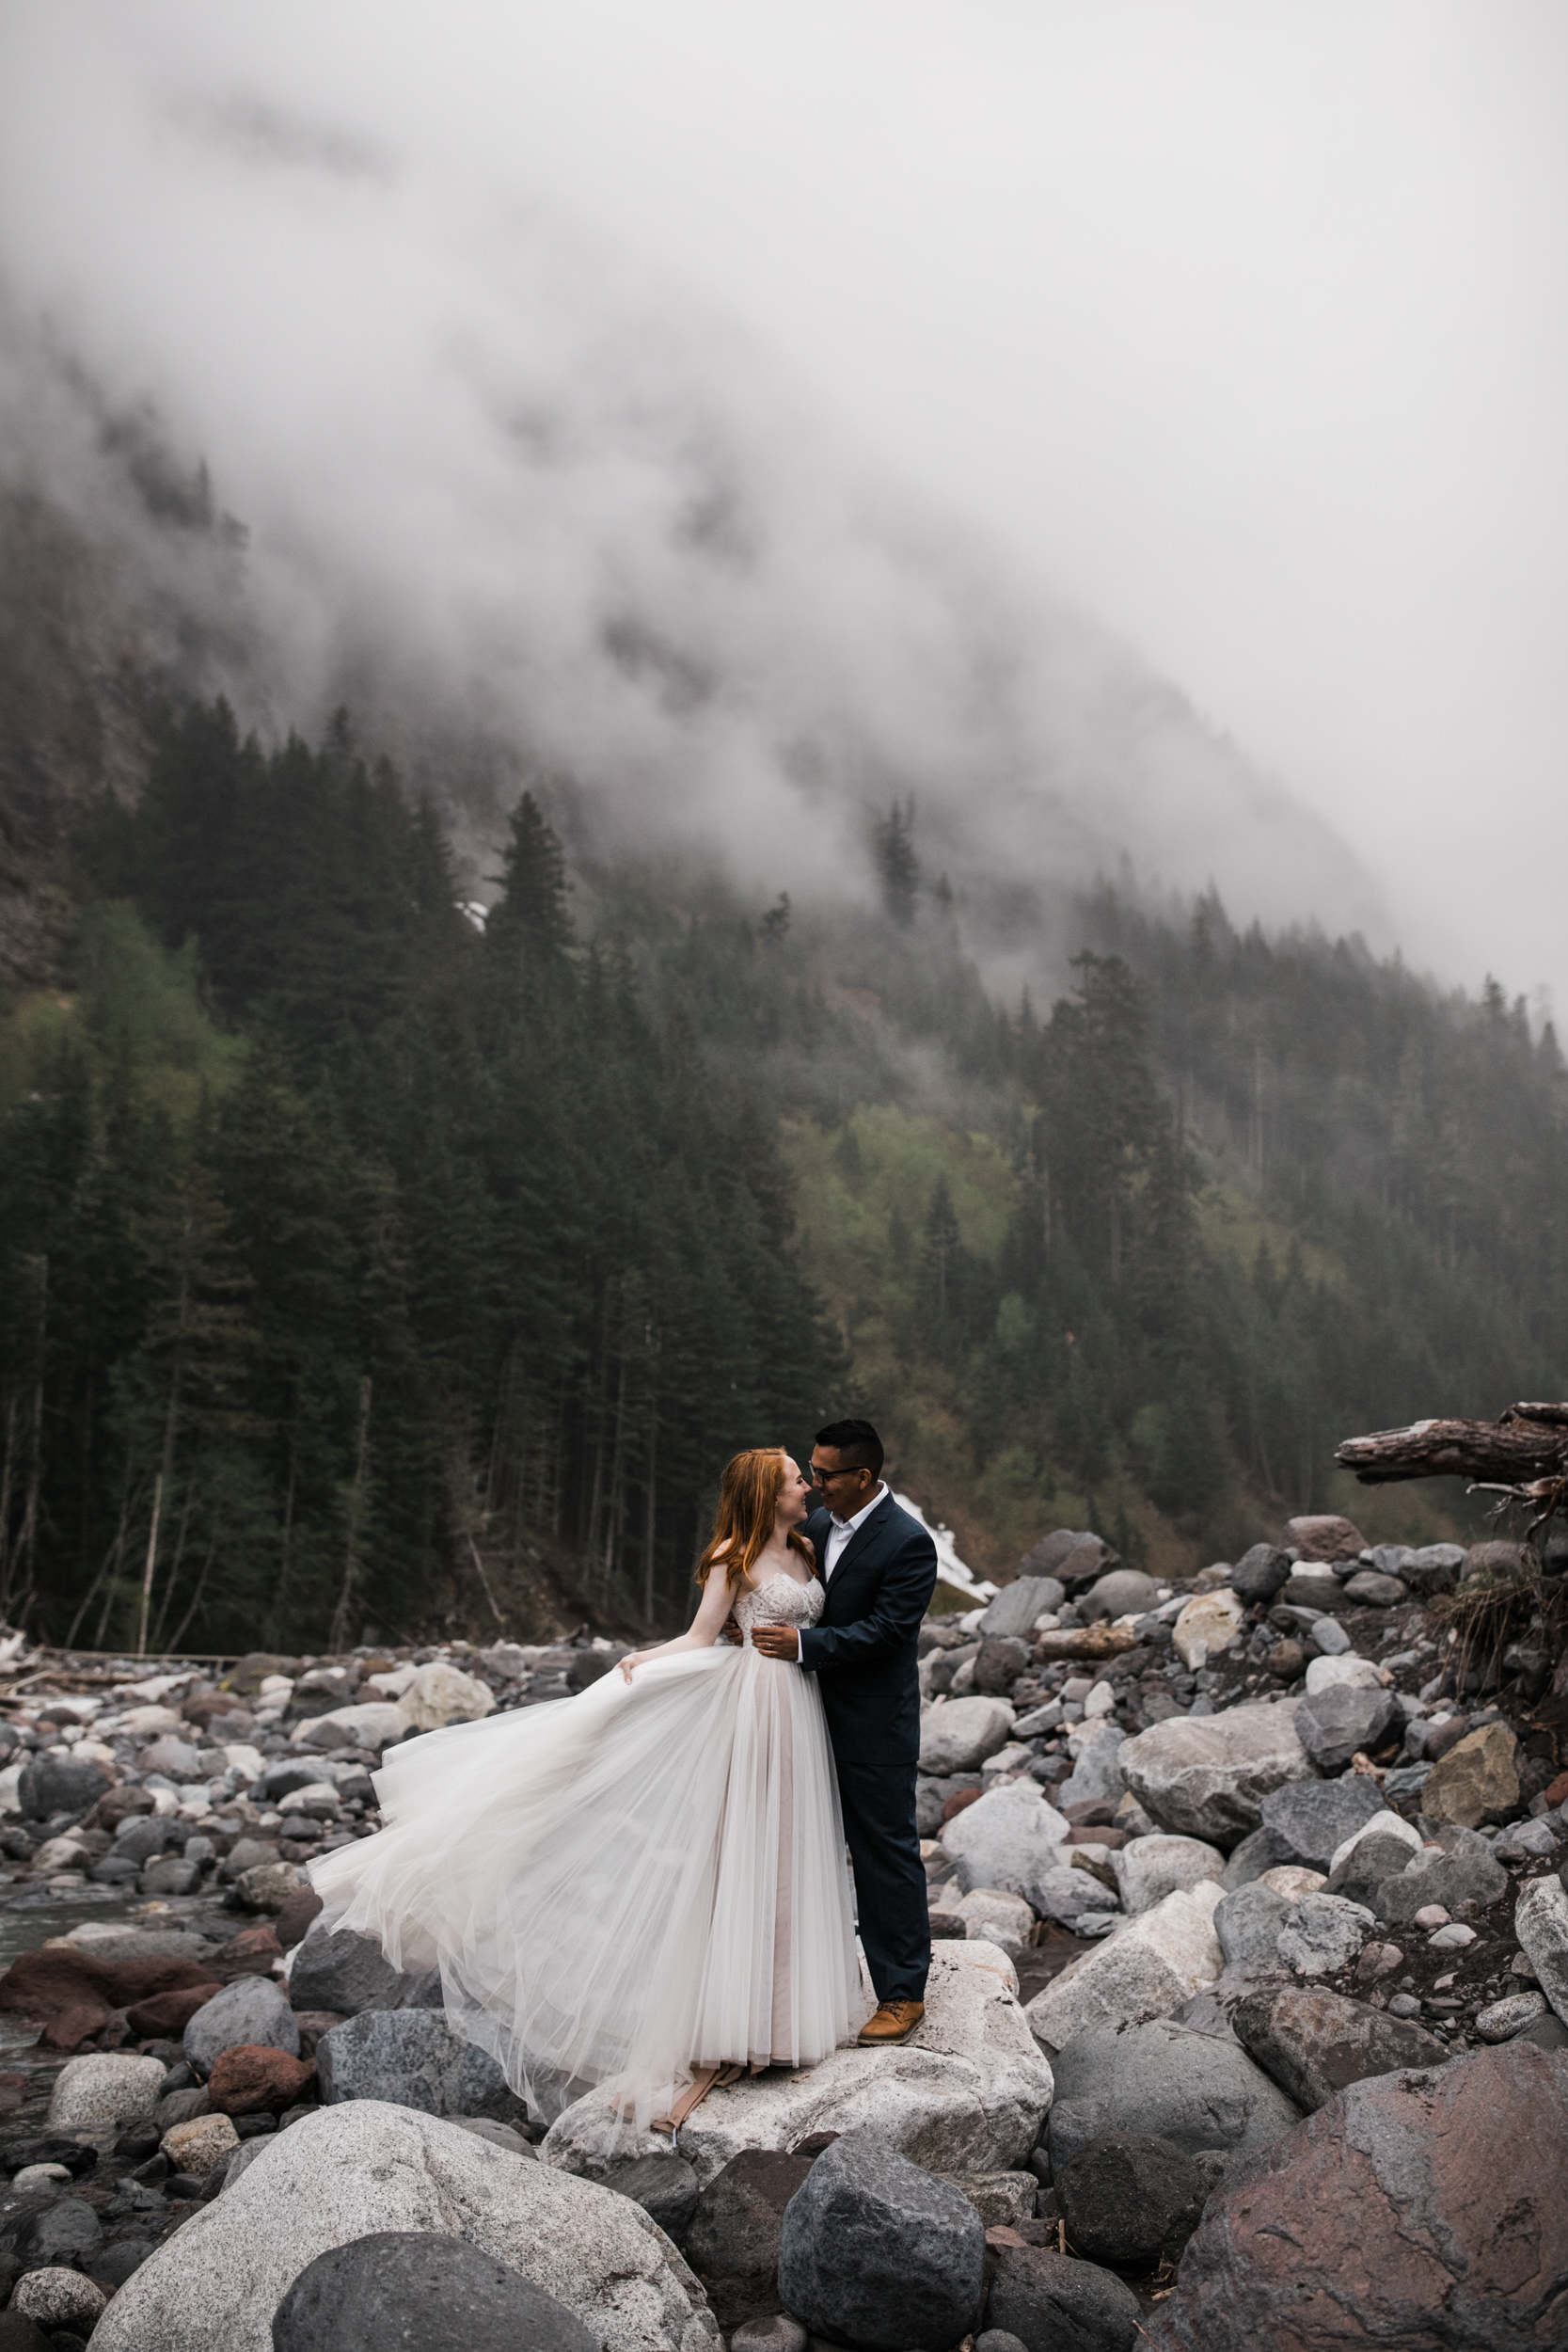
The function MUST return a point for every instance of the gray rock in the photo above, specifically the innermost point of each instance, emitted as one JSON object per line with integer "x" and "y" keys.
{"x": 1541, "y": 1924}
{"x": 1372, "y": 1862}
{"x": 338, "y": 1970}
{"x": 143, "y": 1836}
{"x": 1122, "y": 1593}
{"x": 174, "y": 1875}
{"x": 405, "y": 2286}
{"x": 252, "y": 2009}
{"x": 349, "y": 2172}
{"x": 1432, "y": 1568}
{"x": 1315, "y": 1816}
{"x": 1039, "y": 1720}
{"x": 1527, "y": 1841}
{"x": 1315, "y": 2042}
{"x": 879, "y": 2253}
{"x": 1018, "y": 1604}
{"x": 1313, "y": 1587}
{"x": 175, "y": 1759}
{"x": 1322, "y": 1933}
{"x": 104, "y": 2087}
{"x": 63, "y": 2232}
{"x": 959, "y": 1736}
{"x": 1262, "y": 1850}
{"x": 1336, "y": 1725}
{"x": 1185, "y": 2087}
{"x": 991, "y": 2339}
{"x": 1052, "y": 2303}
{"x": 1329, "y": 1637}
{"x": 1247, "y": 1923}
{"x": 1209, "y": 1776}
{"x": 1096, "y": 1775}
{"x": 59, "y": 1784}
{"x": 1406, "y": 1781}
{"x": 1448, "y": 1879}
{"x": 1260, "y": 1573}
{"x": 1148, "y": 1868}
{"x": 1064, "y": 1893}
{"x": 58, "y": 2298}
{"x": 665, "y": 2187}
{"x": 736, "y": 2228}
{"x": 1131, "y": 2199}
{"x": 778, "y": 2334}
{"x": 1501, "y": 2020}
{"x": 411, "y": 2057}
{"x": 1008, "y": 1838}
{"x": 1369, "y": 1590}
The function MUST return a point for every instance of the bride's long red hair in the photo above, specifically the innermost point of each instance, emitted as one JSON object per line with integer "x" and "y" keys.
{"x": 748, "y": 1510}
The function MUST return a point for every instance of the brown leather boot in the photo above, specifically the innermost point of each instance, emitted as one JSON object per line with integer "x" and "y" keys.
{"x": 893, "y": 2022}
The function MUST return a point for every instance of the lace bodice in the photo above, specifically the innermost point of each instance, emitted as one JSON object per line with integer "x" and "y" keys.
{"x": 779, "y": 1600}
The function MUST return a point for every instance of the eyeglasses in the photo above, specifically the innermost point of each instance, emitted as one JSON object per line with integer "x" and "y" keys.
{"x": 821, "y": 1477}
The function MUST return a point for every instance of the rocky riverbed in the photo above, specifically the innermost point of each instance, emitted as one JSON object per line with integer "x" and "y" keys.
{"x": 1244, "y": 2027}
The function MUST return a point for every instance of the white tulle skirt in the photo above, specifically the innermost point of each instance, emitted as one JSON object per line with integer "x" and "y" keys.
{"x": 624, "y": 1886}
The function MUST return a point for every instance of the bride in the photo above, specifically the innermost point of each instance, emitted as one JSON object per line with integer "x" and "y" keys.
{"x": 647, "y": 1883}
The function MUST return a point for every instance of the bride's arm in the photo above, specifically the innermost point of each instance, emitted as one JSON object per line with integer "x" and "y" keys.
{"x": 704, "y": 1629}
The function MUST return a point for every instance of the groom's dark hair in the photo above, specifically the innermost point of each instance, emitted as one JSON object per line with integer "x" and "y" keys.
{"x": 857, "y": 1441}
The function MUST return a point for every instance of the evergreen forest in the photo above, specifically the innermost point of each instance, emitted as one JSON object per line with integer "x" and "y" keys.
{"x": 372, "y": 1268}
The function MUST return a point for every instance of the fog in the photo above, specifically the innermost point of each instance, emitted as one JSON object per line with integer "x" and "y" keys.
{"x": 755, "y": 413}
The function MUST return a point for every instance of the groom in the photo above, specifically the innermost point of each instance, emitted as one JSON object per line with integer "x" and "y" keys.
{"x": 879, "y": 1570}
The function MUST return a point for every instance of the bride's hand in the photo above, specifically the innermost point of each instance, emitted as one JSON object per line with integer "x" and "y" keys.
{"x": 627, "y": 1663}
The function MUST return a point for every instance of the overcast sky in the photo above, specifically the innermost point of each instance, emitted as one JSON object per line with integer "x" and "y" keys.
{"x": 1241, "y": 325}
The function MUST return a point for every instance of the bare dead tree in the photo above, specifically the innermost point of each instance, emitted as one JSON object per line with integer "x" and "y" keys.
{"x": 1521, "y": 1455}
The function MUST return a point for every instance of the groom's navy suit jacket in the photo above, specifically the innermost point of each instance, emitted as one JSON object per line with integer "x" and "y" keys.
{"x": 864, "y": 1651}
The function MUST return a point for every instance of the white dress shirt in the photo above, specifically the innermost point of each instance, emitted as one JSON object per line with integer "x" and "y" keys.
{"x": 839, "y": 1536}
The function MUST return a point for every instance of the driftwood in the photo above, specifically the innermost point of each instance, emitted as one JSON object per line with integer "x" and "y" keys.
{"x": 1522, "y": 1454}
{"x": 1088, "y": 1641}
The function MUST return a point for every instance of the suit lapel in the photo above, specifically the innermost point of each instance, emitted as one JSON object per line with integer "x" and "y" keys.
{"x": 855, "y": 1550}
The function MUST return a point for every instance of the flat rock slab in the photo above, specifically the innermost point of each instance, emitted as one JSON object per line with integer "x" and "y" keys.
{"x": 355, "y": 2171}
{"x": 1315, "y": 1816}
{"x": 1419, "y": 2210}
{"x": 1188, "y": 2087}
{"x": 1142, "y": 1970}
{"x": 968, "y": 2093}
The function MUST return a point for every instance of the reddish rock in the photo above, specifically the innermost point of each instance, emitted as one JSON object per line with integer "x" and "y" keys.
{"x": 1112, "y": 1839}
{"x": 118, "y": 1804}
{"x": 164, "y": 2017}
{"x": 1325, "y": 1537}
{"x": 1427, "y": 2209}
{"x": 298, "y": 1911}
{"x": 251, "y": 2080}
{"x": 251, "y": 1953}
{"x": 313, "y": 2023}
{"x": 1556, "y": 1792}
{"x": 52, "y": 1982}
{"x": 78, "y": 2021}
{"x": 957, "y": 1803}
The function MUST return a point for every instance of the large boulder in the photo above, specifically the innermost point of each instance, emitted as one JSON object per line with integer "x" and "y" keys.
{"x": 732, "y": 2241}
{"x": 1131, "y": 2199}
{"x": 1190, "y": 2089}
{"x": 406, "y": 2286}
{"x": 344, "y": 1972}
{"x": 439, "y": 1693}
{"x": 1260, "y": 1573}
{"x": 1121, "y": 1593}
{"x": 411, "y": 2057}
{"x": 1452, "y": 1880}
{"x": 1140, "y": 1971}
{"x": 350, "y": 2172}
{"x": 370, "y": 1723}
{"x": 1248, "y": 1921}
{"x": 967, "y": 2093}
{"x": 1050, "y": 2303}
{"x": 1315, "y": 2042}
{"x": 1207, "y": 1777}
{"x": 960, "y": 1735}
{"x": 1477, "y": 1781}
{"x": 1315, "y": 1816}
{"x": 253, "y": 2011}
{"x": 1335, "y": 1724}
{"x": 1428, "y": 2210}
{"x": 876, "y": 2252}
{"x": 1324, "y": 1535}
{"x": 1008, "y": 1838}
{"x": 1012, "y": 1614}
{"x": 1149, "y": 1868}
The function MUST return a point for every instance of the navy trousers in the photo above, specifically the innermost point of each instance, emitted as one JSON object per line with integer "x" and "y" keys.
{"x": 889, "y": 1878}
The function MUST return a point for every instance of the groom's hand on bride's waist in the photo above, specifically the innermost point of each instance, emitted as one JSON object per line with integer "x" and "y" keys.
{"x": 773, "y": 1641}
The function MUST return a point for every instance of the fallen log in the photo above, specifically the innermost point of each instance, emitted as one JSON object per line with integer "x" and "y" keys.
{"x": 1528, "y": 1443}
{"x": 1087, "y": 1640}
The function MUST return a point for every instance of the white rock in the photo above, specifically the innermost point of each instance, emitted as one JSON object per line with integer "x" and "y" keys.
{"x": 1322, "y": 1933}
{"x": 1359, "y": 1674}
{"x": 240, "y": 1758}
{"x": 444, "y": 1694}
{"x": 1006, "y": 1838}
{"x": 58, "y": 2298}
{"x": 976, "y": 1953}
{"x": 1384, "y": 1824}
{"x": 1067, "y": 1892}
{"x": 1014, "y": 1757}
{"x": 1500, "y": 2022}
{"x": 968, "y": 2093}
{"x": 1207, "y": 1775}
{"x": 314, "y": 1790}
{"x": 1293, "y": 1880}
{"x": 990, "y": 1915}
{"x": 393, "y": 1684}
{"x": 105, "y": 2087}
{"x": 1541, "y": 1924}
{"x": 60, "y": 1854}
{"x": 1208, "y": 1625}
{"x": 1142, "y": 1970}
{"x": 1453, "y": 1938}
{"x": 1149, "y": 1868}
{"x": 200, "y": 2146}
{"x": 10, "y": 1778}
{"x": 372, "y": 1723}
{"x": 147, "y": 1722}
{"x": 958, "y": 1736}
{"x": 34, "y": 2175}
{"x": 350, "y": 2171}
{"x": 93, "y": 1752}
{"x": 1101, "y": 1700}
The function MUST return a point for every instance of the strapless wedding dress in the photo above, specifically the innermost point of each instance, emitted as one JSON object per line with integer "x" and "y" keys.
{"x": 624, "y": 1886}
